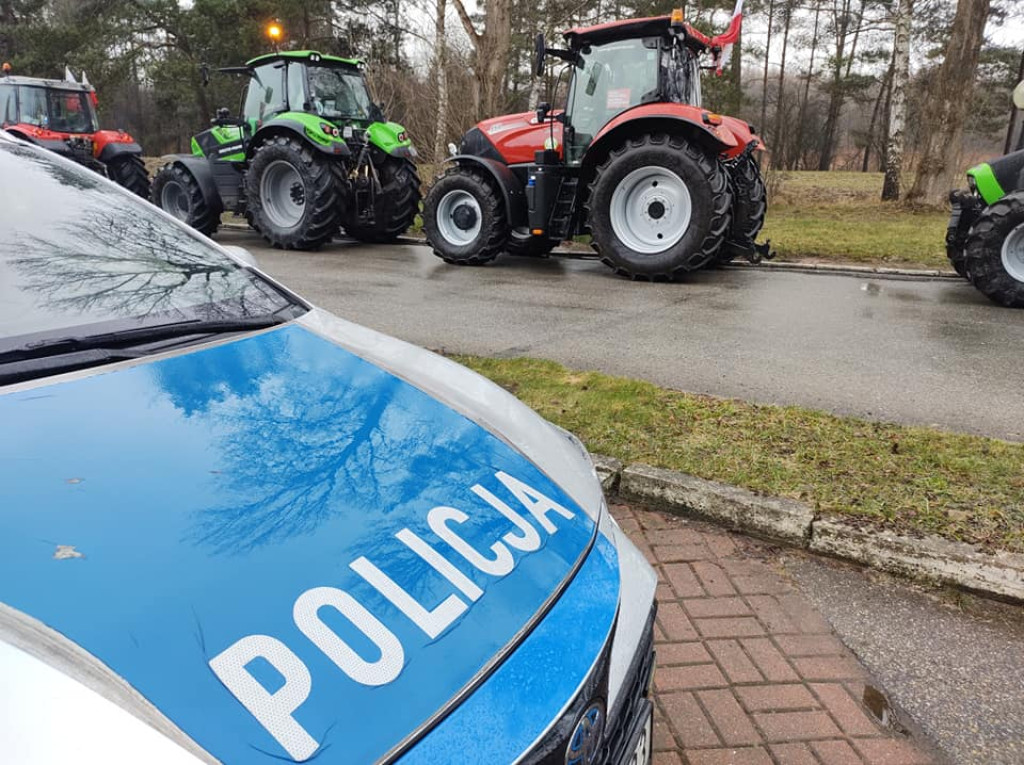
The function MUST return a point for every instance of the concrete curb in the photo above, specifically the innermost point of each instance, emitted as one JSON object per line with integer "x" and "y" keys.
{"x": 927, "y": 558}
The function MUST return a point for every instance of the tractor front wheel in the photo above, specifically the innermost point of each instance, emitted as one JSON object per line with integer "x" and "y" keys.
{"x": 292, "y": 194}
{"x": 659, "y": 207}
{"x": 175, "y": 191}
{"x": 395, "y": 206}
{"x": 994, "y": 257}
{"x": 464, "y": 218}
{"x": 129, "y": 171}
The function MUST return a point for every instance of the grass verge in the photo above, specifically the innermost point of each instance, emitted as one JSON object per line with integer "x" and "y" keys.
{"x": 907, "y": 479}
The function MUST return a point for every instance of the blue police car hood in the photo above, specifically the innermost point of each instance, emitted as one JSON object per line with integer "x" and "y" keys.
{"x": 290, "y": 548}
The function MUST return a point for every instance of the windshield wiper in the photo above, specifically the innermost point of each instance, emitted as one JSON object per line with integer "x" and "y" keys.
{"x": 110, "y": 341}
{"x": 29, "y": 369}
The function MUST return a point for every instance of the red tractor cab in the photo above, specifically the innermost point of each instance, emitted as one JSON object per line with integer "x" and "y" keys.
{"x": 60, "y": 115}
{"x": 662, "y": 185}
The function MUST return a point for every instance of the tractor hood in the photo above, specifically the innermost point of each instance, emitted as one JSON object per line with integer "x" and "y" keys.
{"x": 286, "y": 549}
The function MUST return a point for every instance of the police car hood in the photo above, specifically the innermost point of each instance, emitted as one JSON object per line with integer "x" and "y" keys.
{"x": 297, "y": 544}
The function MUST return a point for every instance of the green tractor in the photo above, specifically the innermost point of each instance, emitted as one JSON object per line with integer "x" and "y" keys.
{"x": 309, "y": 154}
{"x": 985, "y": 237}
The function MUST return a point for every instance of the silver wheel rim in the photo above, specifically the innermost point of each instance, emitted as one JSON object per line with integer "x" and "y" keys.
{"x": 282, "y": 194}
{"x": 459, "y": 206}
{"x": 174, "y": 199}
{"x": 650, "y": 210}
{"x": 1013, "y": 253}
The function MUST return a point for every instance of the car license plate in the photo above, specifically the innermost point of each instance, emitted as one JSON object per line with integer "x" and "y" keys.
{"x": 642, "y": 751}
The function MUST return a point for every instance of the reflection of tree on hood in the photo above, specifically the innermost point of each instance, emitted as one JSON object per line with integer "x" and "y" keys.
{"x": 316, "y": 436}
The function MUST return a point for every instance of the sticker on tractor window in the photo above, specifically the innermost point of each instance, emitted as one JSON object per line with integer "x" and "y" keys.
{"x": 618, "y": 98}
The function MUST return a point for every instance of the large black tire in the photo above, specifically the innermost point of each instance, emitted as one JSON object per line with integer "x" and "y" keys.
{"x": 707, "y": 184}
{"x": 955, "y": 250}
{"x": 396, "y": 206}
{"x": 489, "y": 241}
{"x": 128, "y": 170}
{"x": 308, "y": 212}
{"x": 175, "y": 191}
{"x": 749, "y": 204}
{"x": 995, "y": 242}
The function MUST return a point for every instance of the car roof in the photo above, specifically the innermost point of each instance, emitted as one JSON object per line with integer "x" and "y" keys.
{"x": 617, "y": 30}
{"x": 303, "y": 55}
{"x": 40, "y": 82}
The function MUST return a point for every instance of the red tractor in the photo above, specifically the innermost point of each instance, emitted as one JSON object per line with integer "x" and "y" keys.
{"x": 60, "y": 115}
{"x": 663, "y": 186}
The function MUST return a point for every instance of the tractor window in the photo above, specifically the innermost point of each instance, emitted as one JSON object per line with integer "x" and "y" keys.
{"x": 680, "y": 71}
{"x": 70, "y": 111}
{"x": 296, "y": 87}
{"x": 337, "y": 93}
{"x": 8, "y": 105}
{"x": 614, "y": 77}
{"x": 265, "y": 96}
{"x": 33, "y": 107}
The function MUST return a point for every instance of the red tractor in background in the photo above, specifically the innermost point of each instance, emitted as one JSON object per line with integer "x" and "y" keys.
{"x": 60, "y": 115}
{"x": 663, "y": 186}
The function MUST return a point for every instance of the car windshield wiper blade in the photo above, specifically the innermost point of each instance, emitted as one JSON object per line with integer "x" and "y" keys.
{"x": 138, "y": 335}
{"x": 29, "y": 369}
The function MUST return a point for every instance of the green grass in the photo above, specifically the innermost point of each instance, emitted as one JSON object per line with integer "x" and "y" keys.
{"x": 838, "y": 217}
{"x": 908, "y": 479}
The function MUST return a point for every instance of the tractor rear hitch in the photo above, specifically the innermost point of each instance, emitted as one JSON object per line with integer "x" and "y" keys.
{"x": 752, "y": 252}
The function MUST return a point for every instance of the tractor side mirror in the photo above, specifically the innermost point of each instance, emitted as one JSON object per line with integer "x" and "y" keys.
{"x": 540, "y": 50}
{"x": 542, "y": 111}
{"x": 1018, "y": 95}
{"x": 204, "y": 74}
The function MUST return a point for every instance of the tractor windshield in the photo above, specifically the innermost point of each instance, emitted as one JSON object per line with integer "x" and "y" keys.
{"x": 66, "y": 111}
{"x": 338, "y": 93}
{"x": 613, "y": 78}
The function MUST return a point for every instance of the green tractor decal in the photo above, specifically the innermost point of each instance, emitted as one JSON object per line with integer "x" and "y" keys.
{"x": 309, "y": 153}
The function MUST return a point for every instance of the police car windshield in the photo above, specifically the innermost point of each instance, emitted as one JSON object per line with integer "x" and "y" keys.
{"x": 79, "y": 257}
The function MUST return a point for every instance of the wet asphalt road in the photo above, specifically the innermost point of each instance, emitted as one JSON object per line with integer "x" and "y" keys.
{"x": 919, "y": 352}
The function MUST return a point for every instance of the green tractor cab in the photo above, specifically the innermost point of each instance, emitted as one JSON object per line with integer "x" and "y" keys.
{"x": 309, "y": 153}
{"x": 985, "y": 237}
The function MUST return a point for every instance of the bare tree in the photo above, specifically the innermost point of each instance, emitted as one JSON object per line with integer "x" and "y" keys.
{"x": 491, "y": 50}
{"x": 802, "y": 111}
{"x": 440, "y": 64}
{"x": 898, "y": 104}
{"x": 764, "y": 82}
{"x": 781, "y": 146}
{"x": 947, "y": 102}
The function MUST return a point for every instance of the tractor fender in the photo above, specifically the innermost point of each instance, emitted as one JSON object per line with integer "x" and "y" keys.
{"x": 293, "y": 127}
{"x": 511, "y": 188}
{"x": 110, "y": 144}
{"x": 199, "y": 168}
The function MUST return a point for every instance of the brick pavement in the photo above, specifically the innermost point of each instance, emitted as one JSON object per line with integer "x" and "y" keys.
{"x": 747, "y": 671}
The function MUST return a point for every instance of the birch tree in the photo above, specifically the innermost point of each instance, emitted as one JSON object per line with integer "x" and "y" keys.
{"x": 898, "y": 101}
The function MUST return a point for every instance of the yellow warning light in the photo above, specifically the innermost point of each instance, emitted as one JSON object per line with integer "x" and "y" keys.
{"x": 274, "y": 31}
{"x": 677, "y": 17}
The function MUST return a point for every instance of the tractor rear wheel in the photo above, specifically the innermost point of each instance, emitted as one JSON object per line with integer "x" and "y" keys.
{"x": 396, "y": 206}
{"x": 749, "y": 204}
{"x": 129, "y": 171}
{"x": 464, "y": 218}
{"x": 292, "y": 194}
{"x": 994, "y": 256}
{"x": 659, "y": 207}
{"x": 176, "y": 192}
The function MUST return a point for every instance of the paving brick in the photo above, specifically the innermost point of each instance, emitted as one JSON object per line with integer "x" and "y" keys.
{"x": 659, "y": 633}
{"x": 734, "y": 662}
{"x": 796, "y": 726}
{"x": 809, "y": 645}
{"x": 662, "y": 737}
{"x": 682, "y": 653}
{"x": 835, "y": 753}
{"x": 847, "y": 712}
{"x": 742, "y": 626}
{"x": 681, "y": 553}
{"x": 683, "y": 580}
{"x": 722, "y": 545}
{"x": 792, "y": 754}
{"x": 688, "y": 720}
{"x": 890, "y": 752}
{"x": 768, "y": 610}
{"x": 689, "y": 677}
{"x": 703, "y": 607}
{"x": 746, "y": 756}
{"x": 761, "y": 584}
{"x": 828, "y": 668}
{"x": 743, "y": 567}
{"x": 674, "y": 622}
{"x": 773, "y": 665}
{"x": 667, "y": 758}
{"x": 676, "y": 536}
{"x": 664, "y": 592}
{"x": 713, "y": 578}
{"x": 804, "y": 617}
{"x": 728, "y": 717}
{"x": 777, "y": 698}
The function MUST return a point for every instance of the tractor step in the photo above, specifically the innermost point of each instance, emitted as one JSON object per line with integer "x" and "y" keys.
{"x": 561, "y": 212}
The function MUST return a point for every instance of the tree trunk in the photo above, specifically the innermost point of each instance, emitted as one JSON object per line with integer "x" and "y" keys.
{"x": 802, "y": 113}
{"x": 781, "y": 146}
{"x": 898, "y": 105}
{"x": 491, "y": 50}
{"x": 841, "y": 18}
{"x": 947, "y": 102}
{"x": 441, "y": 63}
{"x": 876, "y": 112}
{"x": 764, "y": 81}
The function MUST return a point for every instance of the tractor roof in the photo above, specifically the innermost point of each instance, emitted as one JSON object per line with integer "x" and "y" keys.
{"x": 626, "y": 29}
{"x": 303, "y": 55}
{"x": 39, "y": 82}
